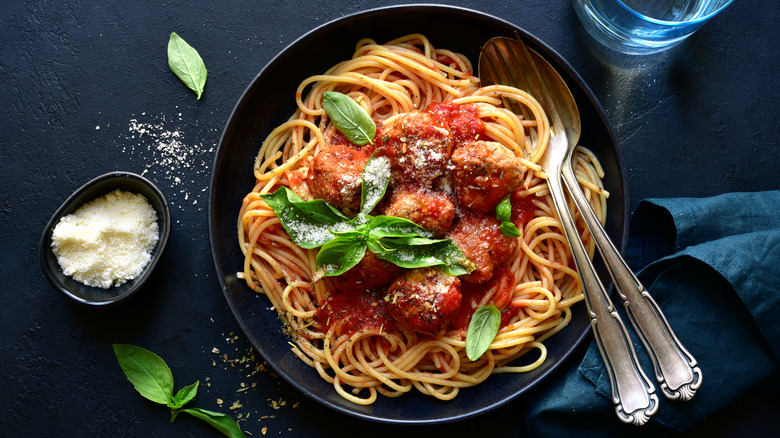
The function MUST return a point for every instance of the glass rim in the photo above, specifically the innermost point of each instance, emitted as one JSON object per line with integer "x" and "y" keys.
{"x": 674, "y": 23}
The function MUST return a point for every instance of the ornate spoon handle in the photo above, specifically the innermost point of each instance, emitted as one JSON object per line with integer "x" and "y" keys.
{"x": 675, "y": 368}
{"x": 633, "y": 393}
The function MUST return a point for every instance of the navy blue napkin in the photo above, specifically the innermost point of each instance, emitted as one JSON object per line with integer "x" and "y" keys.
{"x": 713, "y": 267}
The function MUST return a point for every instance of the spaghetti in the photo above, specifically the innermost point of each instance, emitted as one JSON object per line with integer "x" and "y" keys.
{"x": 364, "y": 332}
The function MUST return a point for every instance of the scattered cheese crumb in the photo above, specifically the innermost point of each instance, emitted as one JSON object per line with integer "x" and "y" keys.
{"x": 165, "y": 152}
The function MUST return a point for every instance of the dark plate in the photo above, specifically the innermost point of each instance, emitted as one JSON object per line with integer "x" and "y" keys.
{"x": 95, "y": 296}
{"x": 269, "y": 101}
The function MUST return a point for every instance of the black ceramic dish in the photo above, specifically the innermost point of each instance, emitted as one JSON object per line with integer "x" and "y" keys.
{"x": 94, "y": 296}
{"x": 269, "y": 101}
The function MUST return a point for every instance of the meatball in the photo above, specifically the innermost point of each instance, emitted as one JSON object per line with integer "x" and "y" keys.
{"x": 424, "y": 299}
{"x": 481, "y": 240}
{"x": 336, "y": 176}
{"x": 418, "y": 146}
{"x": 371, "y": 273}
{"x": 484, "y": 173}
{"x": 430, "y": 209}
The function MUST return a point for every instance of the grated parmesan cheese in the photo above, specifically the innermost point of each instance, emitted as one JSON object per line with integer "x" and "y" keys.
{"x": 107, "y": 241}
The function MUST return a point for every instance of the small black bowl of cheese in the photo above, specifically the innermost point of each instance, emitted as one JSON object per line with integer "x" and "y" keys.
{"x": 104, "y": 241}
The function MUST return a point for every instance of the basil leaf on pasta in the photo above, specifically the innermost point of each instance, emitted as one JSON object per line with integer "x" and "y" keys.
{"x": 509, "y": 229}
{"x": 504, "y": 214}
{"x": 482, "y": 331}
{"x": 340, "y": 254}
{"x": 417, "y": 252}
{"x": 391, "y": 226}
{"x": 349, "y": 117}
{"x": 308, "y": 223}
{"x": 376, "y": 177}
{"x": 186, "y": 63}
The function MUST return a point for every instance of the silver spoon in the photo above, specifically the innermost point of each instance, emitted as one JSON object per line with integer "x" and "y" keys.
{"x": 508, "y": 62}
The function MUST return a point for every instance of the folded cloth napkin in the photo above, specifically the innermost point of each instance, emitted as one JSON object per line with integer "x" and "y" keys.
{"x": 713, "y": 267}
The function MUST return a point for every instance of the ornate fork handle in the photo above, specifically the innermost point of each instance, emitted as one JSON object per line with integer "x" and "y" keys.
{"x": 633, "y": 393}
{"x": 675, "y": 368}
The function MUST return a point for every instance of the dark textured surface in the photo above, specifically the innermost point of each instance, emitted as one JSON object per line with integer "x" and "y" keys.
{"x": 86, "y": 89}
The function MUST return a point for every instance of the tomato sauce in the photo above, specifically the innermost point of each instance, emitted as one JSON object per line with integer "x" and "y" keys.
{"x": 472, "y": 294}
{"x": 353, "y": 311}
{"x": 462, "y": 120}
{"x": 523, "y": 210}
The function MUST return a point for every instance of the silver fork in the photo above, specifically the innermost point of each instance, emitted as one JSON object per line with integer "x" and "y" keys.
{"x": 509, "y": 62}
{"x": 676, "y": 370}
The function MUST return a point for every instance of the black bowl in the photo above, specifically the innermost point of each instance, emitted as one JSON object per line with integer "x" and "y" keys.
{"x": 269, "y": 101}
{"x": 95, "y": 296}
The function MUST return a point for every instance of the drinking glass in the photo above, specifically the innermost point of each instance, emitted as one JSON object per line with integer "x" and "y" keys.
{"x": 645, "y": 26}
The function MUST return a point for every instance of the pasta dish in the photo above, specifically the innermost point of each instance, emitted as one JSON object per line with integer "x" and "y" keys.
{"x": 380, "y": 255}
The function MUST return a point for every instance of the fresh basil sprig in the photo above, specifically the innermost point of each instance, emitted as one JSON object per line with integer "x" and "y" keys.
{"x": 482, "y": 331}
{"x": 152, "y": 378}
{"x": 349, "y": 117}
{"x": 504, "y": 214}
{"x": 187, "y": 64}
{"x": 343, "y": 241}
{"x": 341, "y": 253}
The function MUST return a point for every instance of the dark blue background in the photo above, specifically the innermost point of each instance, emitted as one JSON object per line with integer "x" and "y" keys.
{"x": 700, "y": 119}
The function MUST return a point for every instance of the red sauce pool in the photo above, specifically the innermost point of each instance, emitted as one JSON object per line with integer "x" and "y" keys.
{"x": 472, "y": 294}
{"x": 462, "y": 120}
{"x": 523, "y": 210}
{"x": 354, "y": 311}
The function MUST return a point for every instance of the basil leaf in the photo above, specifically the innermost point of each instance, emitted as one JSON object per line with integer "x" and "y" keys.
{"x": 348, "y": 234}
{"x": 416, "y": 252}
{"x": 308, "y": 223}
{"x": 360, "y": 223}
{"x": 349, "y": 117}
{"x": 341, "y": 254}
{"x": 482, "y": 330}
{"x": 391, "y": 226}
{"x": 509, "y": 229}
{"x": 376, "y": 177}
{"x": 384, "y": 227}
{"x": 147, "y": 371}
{"x": 221, "y": 422}
{"x": 413, "y": 241}
{"x": 187, "y": 64}
{"x": 504, "y": 214}
{"x": 504, "y": 209}
{"x": 184, "y": 396}
{"x": 377, "y": 247}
